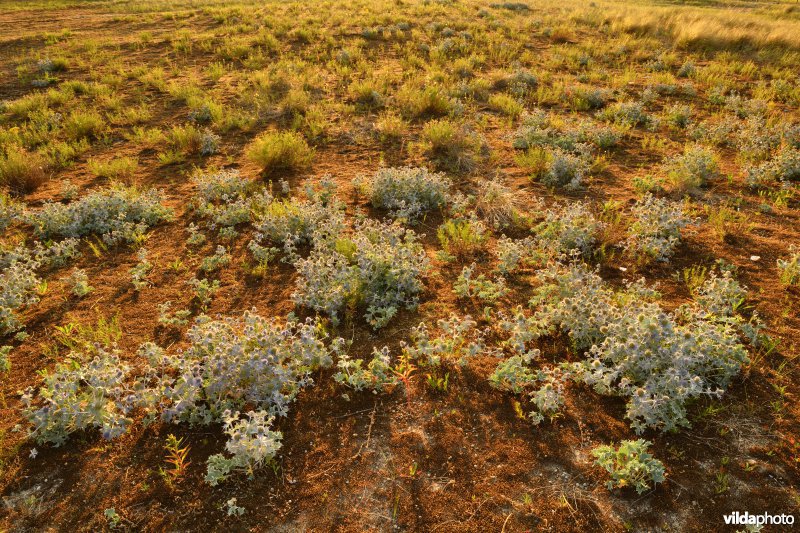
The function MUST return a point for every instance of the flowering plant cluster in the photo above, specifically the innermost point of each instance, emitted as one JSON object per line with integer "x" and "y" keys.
{"x": 406, "y": 193}
{"x": 781, "y": 169}
{"x": 20, "y": 280}
{"x": 657, "y": 360}
{"x": 568, "y": 229}
{"x": 251, "y": 445}
{"x": 468, "y": 285}
{"x": 117, "y": 214}
{"x": 291, "y": 222}
{"x": 458, "y": 341}
{"x": 224, "y": 199}
{"x": 656, "y": 231}
{"x": 232, "y": 363}
{"x": 78, "y": 396}
{"x": 229, "y": 365}
{"x": 379, "y": 266}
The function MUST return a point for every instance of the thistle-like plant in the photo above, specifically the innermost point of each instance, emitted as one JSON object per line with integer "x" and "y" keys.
{"x": 630, "y": 465}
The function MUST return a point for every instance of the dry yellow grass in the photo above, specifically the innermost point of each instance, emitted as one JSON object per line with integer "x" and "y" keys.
{"x": 707, "y": 28}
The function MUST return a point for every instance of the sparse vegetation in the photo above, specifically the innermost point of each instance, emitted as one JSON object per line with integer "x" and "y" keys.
{"x": 421, "y": 265}
{"x": 275, "y": 152}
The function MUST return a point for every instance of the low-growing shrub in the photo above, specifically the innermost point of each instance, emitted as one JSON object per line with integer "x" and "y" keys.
{"x": 565, "y": 169}
{"x": 221, "y": 186}
{"x": 629, "y": 114}
{"x": 679, "y": 115}
{"x": 78, "y": 282}
{"x": 79, "y": 396}
{"x": 379, "y": 266}
{"x": 141, "y": 270}
{"x": 459, "y": 340}
{"x": 376, "y": 376}
{"x": 223, "y": 198}
{"x": 231, "y": 364}
{"x": 480, "y": 287}
{"x": 251, "y": 444}
{"x": 18, "y": 283}
{"x": 293, "y": 221}
{"x": 622, "y": 325}
{"x": 406, "y": 193}
{"x": 204, "y": 290}
{"x": 10, "y": 211}
{"x": 720, "y": 296}
{"x": 692, "y": 169}
{"x": 512, "y": 255}
{"x": 116, "y": 213}
{"x": 220, "y": 258}
{"x": 656, "y": 230}
{"x": 515, "y": 375}
{"x": 568, "y": 229}
{"x": 630, "y": 465}
{"x": 781, "y": 169}
{"x": 657, "y": 360}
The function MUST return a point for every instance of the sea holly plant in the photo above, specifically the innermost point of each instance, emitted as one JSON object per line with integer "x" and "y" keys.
{"x": 656, "y": 230}
{"x": 406, "y": 193}
{"x": 10, "y": 211}
{"x": 376, "y": 376}
{"x": 295, "y": 221}
{"x": 78, "y": 280}
{"x": 251, "y": 445}
{"x": 217, "y": 260}
{"x": 229, "y": 365}
{"x": 379, "y": 267}
{"x": 225, "y": 199}
{"x": 80, "y": 395}
{"x": 141, "y": 270}
{"x": 459, "y": 339}
{"x": 782, "y": 169}
{"x": 544, "y": 387}
{"x": 567, "y": 229}
{"x": 630, "y": 465}
{"x": 168, "y": 318}
{"x": 479, "y": 287}
{"x": 117, "y": 214}
{"x": 232, "y": 363}
{"x": 658, "y": 361}
{"x": 515, "y": 254}
{"x": 18, "y": 283}
{"x": 204, "y": 290}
